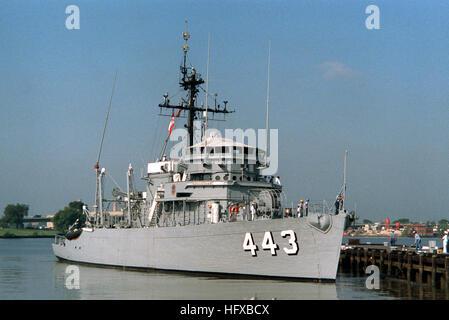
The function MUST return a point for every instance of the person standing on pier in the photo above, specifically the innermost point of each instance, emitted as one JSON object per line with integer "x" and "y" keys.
{"x": 392, "y": 238}
{"x": 306, "y": 207}
{"x": 418, "y": 244}
{"x": 445, "y": 238}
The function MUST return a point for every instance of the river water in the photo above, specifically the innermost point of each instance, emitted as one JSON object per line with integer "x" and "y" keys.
{"x": 29, "y": 270}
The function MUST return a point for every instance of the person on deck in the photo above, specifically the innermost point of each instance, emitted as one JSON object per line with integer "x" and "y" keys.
{"x": 338, "y": 203}
{"x": 252, "y": 211}
{"x": 306, "y": 207}
{"x": 277, "y": 181}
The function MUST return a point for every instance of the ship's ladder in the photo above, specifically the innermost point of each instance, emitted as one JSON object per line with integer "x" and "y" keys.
{"x": 151, "y": 215}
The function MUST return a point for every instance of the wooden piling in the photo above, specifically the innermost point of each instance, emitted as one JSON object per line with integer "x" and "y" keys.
{"x": 373, "y": 257}
{"x": 409, "y": 266}
{"x": 399, "y": 270}
{"x": 365, "y": 259}
{"x": 357, "y": 260}
{"x": 389, "y": 264}
{"x": 381, "y": 261}
{"x": 429, "y": 268}
{"x": 434, "y": 270}
{"x": 420, "y": 268}
{"x": 446, "y": 273}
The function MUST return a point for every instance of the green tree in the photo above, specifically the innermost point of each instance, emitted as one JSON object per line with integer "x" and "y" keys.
{"x": 78, "y": 205}
{"x": 64, "y": 218}
{"x": 14, "y": 214}
{"x": 430, "y": 224}
{"x": 402, "y": 221}
{"x": 443, "y": 225}
{"x": 366, "y": 221}
{"x": 407, "y": 232}
{"x": 3, "y": 223}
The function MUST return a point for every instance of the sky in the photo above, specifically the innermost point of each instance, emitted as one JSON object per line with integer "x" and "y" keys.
{"x": 335, "y": 85}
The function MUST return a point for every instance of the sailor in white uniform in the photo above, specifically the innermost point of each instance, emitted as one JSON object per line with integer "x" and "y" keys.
{"x": 445, "y": 239}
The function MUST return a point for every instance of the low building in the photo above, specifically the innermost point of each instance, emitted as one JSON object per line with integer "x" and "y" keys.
{"x": 422, "y": 230}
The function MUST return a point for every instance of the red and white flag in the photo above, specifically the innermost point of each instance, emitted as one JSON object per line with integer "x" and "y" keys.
{"x": 172, "y": 123}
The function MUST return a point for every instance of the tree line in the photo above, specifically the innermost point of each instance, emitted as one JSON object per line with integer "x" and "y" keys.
{"x": 14, "y": 214}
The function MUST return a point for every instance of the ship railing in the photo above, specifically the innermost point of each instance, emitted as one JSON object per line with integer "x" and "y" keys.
{"x": 316, "y": 206}
{"x": 59, "y": 239}
{"x": 223, "y": 158}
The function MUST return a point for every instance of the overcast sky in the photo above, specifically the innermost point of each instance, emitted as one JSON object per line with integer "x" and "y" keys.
{"x": 335, "y": 85}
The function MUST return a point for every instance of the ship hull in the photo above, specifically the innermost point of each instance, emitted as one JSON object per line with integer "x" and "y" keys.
{"x": 216, "y": 248}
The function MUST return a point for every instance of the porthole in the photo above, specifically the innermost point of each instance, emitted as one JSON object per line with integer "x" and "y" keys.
{"x": 217, "y": 178}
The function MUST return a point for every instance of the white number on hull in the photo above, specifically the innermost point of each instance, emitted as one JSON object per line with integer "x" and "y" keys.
{"x": 268, "y": 243}
{"x": 248, "y": 244}
{"x": 291, "y": 240}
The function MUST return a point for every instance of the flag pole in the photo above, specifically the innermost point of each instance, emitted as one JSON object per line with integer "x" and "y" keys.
{"x": 170, "y": 127}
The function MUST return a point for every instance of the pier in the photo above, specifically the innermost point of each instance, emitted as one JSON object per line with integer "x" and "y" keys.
{"x": 400, "y": 262}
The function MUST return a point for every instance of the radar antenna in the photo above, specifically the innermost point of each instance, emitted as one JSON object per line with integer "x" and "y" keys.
{"x": 190, "y": 82}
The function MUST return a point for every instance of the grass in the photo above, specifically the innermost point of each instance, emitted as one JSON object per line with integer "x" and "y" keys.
{"x": 12, "y": 233}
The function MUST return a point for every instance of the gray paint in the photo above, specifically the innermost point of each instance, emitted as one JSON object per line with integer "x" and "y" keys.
{"x": 214, "y": 248}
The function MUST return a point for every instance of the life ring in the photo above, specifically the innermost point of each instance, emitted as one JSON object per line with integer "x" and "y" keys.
{"x": 234, "y": 209}
{"x": 173, "y": 189}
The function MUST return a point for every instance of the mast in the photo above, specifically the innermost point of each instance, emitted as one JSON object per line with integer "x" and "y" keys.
{"x": 344, "y": 180}
{"x": 190, "y": 82}
{"x": 97, "y": 164}
{"x": 128, "y": 191}
{"x": 268, "y": 103}
{"x": 100, "y": 185}
{"x": 207, "y": 85}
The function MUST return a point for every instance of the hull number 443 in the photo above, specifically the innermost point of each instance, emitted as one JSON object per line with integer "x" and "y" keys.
{"x": 269, "y": 244}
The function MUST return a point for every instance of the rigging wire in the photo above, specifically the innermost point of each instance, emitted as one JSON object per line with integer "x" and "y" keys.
{"x": 106, "y": 120}
{"x": 157, "y": 131}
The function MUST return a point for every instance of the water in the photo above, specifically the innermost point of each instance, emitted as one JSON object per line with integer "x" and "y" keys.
{"x": 29, "y": 270}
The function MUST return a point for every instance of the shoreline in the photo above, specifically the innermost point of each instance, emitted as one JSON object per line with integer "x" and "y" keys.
{"x": 10, "y": 233}
{"x": 25, "y": 237}
{"x": 387, "y": 236}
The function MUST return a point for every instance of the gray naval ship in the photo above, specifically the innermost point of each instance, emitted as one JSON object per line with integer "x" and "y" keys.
{"x": 209, "y": 211}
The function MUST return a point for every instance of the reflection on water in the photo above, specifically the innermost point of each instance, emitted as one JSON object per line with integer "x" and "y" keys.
{"x": 108, "y": 283}
{"x": 28, "y": 270}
